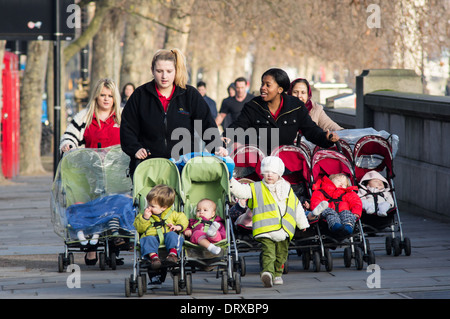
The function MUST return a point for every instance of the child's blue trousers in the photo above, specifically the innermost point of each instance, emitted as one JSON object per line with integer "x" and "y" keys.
{"x": 150, "y": 244}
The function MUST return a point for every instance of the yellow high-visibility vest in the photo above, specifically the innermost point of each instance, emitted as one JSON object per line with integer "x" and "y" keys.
{"x": 266, "y": 213}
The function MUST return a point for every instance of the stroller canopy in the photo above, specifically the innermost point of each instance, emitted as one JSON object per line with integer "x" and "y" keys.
{"x": 152, "y": 172}
{"x": 205, "y": 177}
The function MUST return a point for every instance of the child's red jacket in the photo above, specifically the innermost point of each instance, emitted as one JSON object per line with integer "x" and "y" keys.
{"x": 349, "y": 200}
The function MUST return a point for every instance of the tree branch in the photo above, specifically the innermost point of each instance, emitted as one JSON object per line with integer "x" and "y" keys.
{"x": 137, "y": 13}
{"x": 102, "y": 8}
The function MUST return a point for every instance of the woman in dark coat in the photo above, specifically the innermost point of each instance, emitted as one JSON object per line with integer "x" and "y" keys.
{"x": 274, "y": 118}
{"x": 161, "y": 116}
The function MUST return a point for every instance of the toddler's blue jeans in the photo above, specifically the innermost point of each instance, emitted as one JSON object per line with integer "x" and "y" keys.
{"x": 150, "y": 244}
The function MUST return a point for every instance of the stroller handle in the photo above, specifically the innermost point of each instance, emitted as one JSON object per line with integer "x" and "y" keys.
{"x": 338, "y": 145}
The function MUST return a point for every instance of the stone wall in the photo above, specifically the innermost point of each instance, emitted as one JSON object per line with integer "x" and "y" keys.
{"x": 422, "y": 164}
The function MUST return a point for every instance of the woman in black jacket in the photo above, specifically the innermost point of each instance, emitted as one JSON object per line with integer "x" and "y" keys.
{"x": 274, "y": 118}
{"x": 160, "y": 117}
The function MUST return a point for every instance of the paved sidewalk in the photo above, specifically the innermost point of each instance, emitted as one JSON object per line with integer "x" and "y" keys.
{"x": 29, "y": 248}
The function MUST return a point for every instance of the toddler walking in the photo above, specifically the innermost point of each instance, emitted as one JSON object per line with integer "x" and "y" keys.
{"x": 276, "y": 214}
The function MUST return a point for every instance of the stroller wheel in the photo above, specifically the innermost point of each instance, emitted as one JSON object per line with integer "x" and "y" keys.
{"x": 396, "y": 246}
{"x": 140, "y": 286}
{"x": 388, "y": 245}
{"x": 71, "y": 259}
{"x": 370, "y": 257}
{"x": 61, "y": 262}
{"x": 237, "y": 282}
{"x": 224, "y": 283}
{"x": 102, "y": 260}
{"x": 144, "y": 282}
{"x": 112, "y": 261}
{"x": 316, "y": 261}
{"x": 328, "y": 260}
{"x": 188, "y": 283}
{"x": 176, "y": 287}
{"x": 306, "y": 259}
{"x": 127, "y": 287}
{"x": 359, "y": 262}
{"x": 407, "y": 246}
{"x": 347, "y": 257}
{"x": 242, "y": 266}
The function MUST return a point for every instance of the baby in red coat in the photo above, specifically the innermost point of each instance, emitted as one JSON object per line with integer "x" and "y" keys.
{"x": 344, "y": 204}
{"x": 207, "y": 228}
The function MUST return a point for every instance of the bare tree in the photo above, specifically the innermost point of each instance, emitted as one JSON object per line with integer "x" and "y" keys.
{"x": 31, "y": 108}
{"x": 180, "y": 20}
{"x": 139, "y": 41}
{"x": 106, "y": 48}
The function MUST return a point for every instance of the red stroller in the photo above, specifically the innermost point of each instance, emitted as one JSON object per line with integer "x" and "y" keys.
{"x": 374, "y": 153}
{"x": 247, "y": 160}
{"x": 325, "y": 163}
{"x": 297, "y": 162}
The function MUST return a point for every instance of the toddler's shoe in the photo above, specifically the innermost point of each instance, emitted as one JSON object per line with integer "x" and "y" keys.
{"x": 212, "y": 231}
{"x": 155, "y": 262}
{"x": 320, "y": 208}
{"x": 172, "y": 258}
{"x": 94, "y": 239}
{"x": 337, "y": 227}
{"x": 278, "y": 281}
{"x": 266, "y": 278}
{"x": 214, "y": 249}
{"x": 82, "y": 238}
{"x": 348, "y": 229}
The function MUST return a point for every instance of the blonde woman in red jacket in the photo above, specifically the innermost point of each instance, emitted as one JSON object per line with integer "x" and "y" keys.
{"x": 344, "y": 204}
{"x": 98, "y": 125}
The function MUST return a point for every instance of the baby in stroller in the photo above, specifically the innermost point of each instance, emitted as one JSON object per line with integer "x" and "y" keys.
{"x": 207, "y": 228}
{"x": 375, "y": 194}
{"x": 344, "y": 205}
{"x": 160, "y": 223}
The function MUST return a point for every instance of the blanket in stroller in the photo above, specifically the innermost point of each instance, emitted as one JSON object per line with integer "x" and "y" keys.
{"x": 93, "y": 216}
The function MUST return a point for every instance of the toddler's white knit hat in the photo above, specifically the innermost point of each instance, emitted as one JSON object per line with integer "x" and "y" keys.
{"x": 272, "y": 164}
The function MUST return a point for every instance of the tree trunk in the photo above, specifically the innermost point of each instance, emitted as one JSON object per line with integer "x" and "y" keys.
{"x": 102, "y": 7}
{"x": 31, "y": 108}
{"x": 106, "y": 48}
{"x": 139, "y": 43}
{"x": 180, "y": 20}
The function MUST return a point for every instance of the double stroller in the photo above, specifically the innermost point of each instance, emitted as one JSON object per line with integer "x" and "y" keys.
{"x": 91, "y": 204}
{"x": 201, "y": 177}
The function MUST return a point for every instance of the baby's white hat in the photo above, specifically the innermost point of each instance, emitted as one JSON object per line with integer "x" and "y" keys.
{"x": 272, "y": 164}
